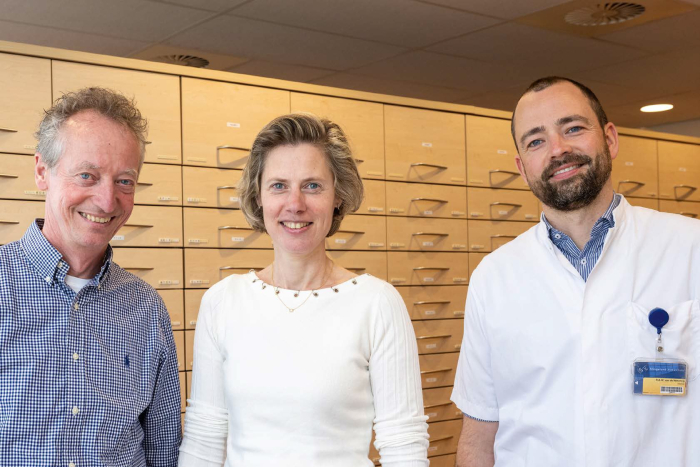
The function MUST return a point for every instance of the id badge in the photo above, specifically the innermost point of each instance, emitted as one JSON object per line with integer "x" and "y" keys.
{"x": 660, "y": 377}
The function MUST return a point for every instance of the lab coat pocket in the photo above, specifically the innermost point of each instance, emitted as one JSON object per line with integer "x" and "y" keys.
{"x": 680, "y": 336}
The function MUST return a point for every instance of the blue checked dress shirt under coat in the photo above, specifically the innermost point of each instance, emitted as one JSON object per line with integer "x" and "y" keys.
{"x": 584, "y": 260}
{"x": 86, "y": 379}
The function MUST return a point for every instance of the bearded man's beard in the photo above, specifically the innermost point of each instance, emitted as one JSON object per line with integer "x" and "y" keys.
{"x": 578, "y": 191}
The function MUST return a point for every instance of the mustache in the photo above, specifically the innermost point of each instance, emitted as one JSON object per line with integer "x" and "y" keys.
{"x": 579, "y": 159}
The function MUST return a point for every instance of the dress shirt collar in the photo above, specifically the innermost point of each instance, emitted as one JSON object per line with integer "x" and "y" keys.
{"x": 605, "y": 222}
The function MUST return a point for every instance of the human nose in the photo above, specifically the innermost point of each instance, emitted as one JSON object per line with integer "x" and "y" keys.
{"x": 105, "y": 197}
{"x": 560, "y": 146}
{"x": 296, "y": 201}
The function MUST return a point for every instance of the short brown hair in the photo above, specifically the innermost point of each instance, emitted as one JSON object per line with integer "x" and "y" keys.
{"x": 295, "y": 129}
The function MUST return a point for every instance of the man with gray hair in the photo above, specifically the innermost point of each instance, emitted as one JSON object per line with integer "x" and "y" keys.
{"x": 88, "y": 367}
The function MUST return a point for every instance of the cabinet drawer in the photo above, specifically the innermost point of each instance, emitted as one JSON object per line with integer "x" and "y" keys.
{"x": 444, "y": 437}
{"x": 159, "y": 267}
{"x": 17, "y": 178}
{"x": 220, "y": 120}
{"x": 362, "y": 122}
{"x": 221, "y": 228}
{"x": 179, "y": 337}
{"x": 193, "y": 300}
{"x": 684, "y": 208}
{"x": 189, "y": 349}
{"x": 491, "y": 154}
{"x": 173, "y": 300}
{"x": 645, "y": 202}
{"x": 151, "y": 226}
{"x": 428, "y": 268}
{"x": 424, "y": 145}
{"x": 159, "y": 184}
{"x": 489, "y": 235}
{"x": 416, "y": 234}
{"x": 438, "y": 370}
{"x": 360, "y": 262}
{"x": 474, "y": 260}
{"x": 419, "y": 200}
{"x": 157, "y": 96}
{"x": 206, "y": 267}
{"x": 215, "y": 188}
{"x": 438, "y": 406}
{"x": 513, "y": 205}
{"x": 25, "y": 91}
{"x": 16, "y": 217}
{"x": 448, "y": 460}
{"x": 375, "y": 198}
{"x": 635, "y": 169}
{"x": 679, "y": 171}
{"x": 439, "y": 335}
{"x": 359, "y": 233}
{"x": 434, "y": 302}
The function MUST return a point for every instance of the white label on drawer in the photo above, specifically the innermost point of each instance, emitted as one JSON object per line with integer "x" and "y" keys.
{"x": 395, "y": 175}
{"x": 395, "y": 210}
{"x": 476, "y": 182}
{"x": 431, "y": 346}
{"x": 476, "y": 214}
{"x": 375, "y": 245}
{"x": 35, "y": 192}
{"x": 432, "y": 448}
{"x": 529, "y": 216}
{"x": 457, "y": 213}
{"x": 458, "y": 246}
{"x": 199, "y": 281}
{"x": 168, "y": 198}
{"x": 397, "y": 279}
{"x": 196, "y": 159}
{"x": 428, "y": 244}
{"x": 197, "y": 241}
{"x": 233, "y": 125}
{"x": 428, "y": 279}
{"x": 458, "y": 346}
{"x": 427, "y": 145}
{"x": 168, "y": 240}
{"x": 234, "y": 199}
{"x": 431, "y": 415}
{"x": 237, "y": 239}
{"x": 459, "y": 279}
{"x": 502, "y": 151}
{"x": 431, "y": 380}
{"x": 118, "y": 237}
{"x": 682, "y": 169}
{"x": 176, "y": 323}
{"x": 341, "y": 241}
{"x": 429, "y": 312}
{"x": 372, "y": 172}
{"x": 375, "y": 209}
{"x": 458, "y": 313}
{"x": 629, "y": 163}
{"x": 477, "y": 247}
{"x": 503, "y": 213}
{"x": 456, "y": 179}
{"x": 29, "y": 146}
{"x": 427, "y": 213}
{"x": 196, "y": 200}
{"x": 167, "y": 158}
{"x": 169, "y": 282}
{"x": 193, "y": 322}
{"x": 397, "y": 245}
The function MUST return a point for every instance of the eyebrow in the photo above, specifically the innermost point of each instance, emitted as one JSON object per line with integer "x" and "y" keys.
{"x": 530, "y": 132}
{"x": 90, "y": 166}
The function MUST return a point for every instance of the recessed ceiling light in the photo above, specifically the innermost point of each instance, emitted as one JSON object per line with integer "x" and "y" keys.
{"x": 656, "y": 108}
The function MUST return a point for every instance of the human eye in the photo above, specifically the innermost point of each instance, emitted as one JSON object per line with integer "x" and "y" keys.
{"x": 313, "y": 186}
{"x": 574, "y": 129}
{"x": 125, "y": 182}
{"x": 534, "y": 143}
{"x": 277, "y": 186}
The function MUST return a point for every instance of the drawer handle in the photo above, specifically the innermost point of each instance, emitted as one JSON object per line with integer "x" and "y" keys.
{"x": 503, "y": 236}
{"x": 435, "y": 200}
{"x": 639, "y": 184}
{"x": 233, "y": 227}
{"x": 142, "y": 226}
{"x": 354, "y": 232}
{"x": 501, "y": 171}
{"x": 444, "y": 438}
{"x": 227, "y": 268}
{"x": 144, "y": 183}
{"x": 228, "y": 146}
{"x": 359, "y": 161}
{"x": 433, "y": 302}
{"x": 436, "y": 336}
{"x": 9, "y": 176}
{"x": 425, "y": 164}
{"x": 137, "y": 268}
{"x": 226, "y": 187}
{"x": 356, "y": 269}
{"x": 690, "y": 189}
{"x": 8, "y": 130}
{"x": 694, "y": 215}
{"x": 435, "y": 234}
{"x": 2, "y": 221}
{"x": 437, "y": 405}
{"x": 428, "y": 268}
{"x": 439, "y": 370}
{"x": 515, "y": 205}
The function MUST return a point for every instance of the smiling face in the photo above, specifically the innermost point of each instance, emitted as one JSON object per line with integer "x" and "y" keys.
{"x": 563, "y": 153}
{"x": 90, "y": 191}
{"x": 297, "y": 195}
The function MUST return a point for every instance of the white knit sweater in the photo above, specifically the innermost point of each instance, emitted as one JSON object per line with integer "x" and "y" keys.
{"x": 274, "y": 388}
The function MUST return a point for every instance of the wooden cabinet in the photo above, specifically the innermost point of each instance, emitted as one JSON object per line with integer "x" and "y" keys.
{"x": 159, "y": 184}
{"x": 428, "y": 268}
{"x": 360, "y": 262}
{"x": 206, "y": 267}
{"x": 221, "y": 228}
{"x": 438, "y": 370}
{"x": 159, "y": 226}
{"x": 444, "y": 437}
{"x": 161, "y": 268}
{"x": 635, "y": 169}
{"x": 422, "y": 200}
{"x": 417, "y": 234}
{"x": 491, "y": 154}
{"x": 474, "y": 260}
{"x": 424, "y": 145}
{"x": 362, "y": 122}
{"x": 189, "y": 350}
{"x": 650, "y": 203}
{"x": 157, "y": 96}
{"x": 214, "y": 188}
{"x": 359, "y": 233}
{"x": 25, "y": 92}
{"x": 438, "y": 406}
{"x": 17, "y": 178}
{"x": 679, "y": 171}
{"x": 513, "y": 205}
{"x": 173, "y": 302}
{"x": 220, "y": 120}
{"x": 375, "y": 198}
{"x": 684, "y": 208}
{"x": 439, "y": 335}
{"x": 488, "y": 235}
{"x": 179, "y": 337}
{"x": 16, "y": 217}
{"x": 193, "y": 300}
{"x": 434, "y": 302}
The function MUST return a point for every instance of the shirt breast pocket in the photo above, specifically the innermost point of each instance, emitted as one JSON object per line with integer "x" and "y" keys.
{"x": 680, "y": 336}
{"x": 113, "y": 372}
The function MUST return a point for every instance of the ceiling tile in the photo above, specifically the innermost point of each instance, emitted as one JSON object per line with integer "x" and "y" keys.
{"x": 398, "y": 22}
{"x": 280, "y": 71}
{"x": 498, "y": 100}
{"x": 284, "y": 44}
{"x": 50, "y": 37}
{"x": 129, "y": 19}
{"x": 686, "y": 127}
{"x": 395, "y": 88}
{"x": 208, "y": 5}
{"x": 612, "y": 95}
{"x": 506, "y": 9}
{"x": 663, "y": 35}
{"x": 685, "y": 107}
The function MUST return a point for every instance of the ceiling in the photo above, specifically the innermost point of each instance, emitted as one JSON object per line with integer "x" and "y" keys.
{"x": 477, "y": 52}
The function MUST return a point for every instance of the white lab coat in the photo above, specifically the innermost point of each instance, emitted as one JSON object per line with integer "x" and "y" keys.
{"x": 550, "y": 356}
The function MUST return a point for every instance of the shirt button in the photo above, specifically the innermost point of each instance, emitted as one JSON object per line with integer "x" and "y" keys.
{"x": 60, "y": 264}
{"x": 71, "y": 464}
{"x": 75, "y": 306}
{"x": 76, "y": 356}
{"x": 75, "y": 411}
{"x": 557, "y": 236}
{"x": 583, "y": 261}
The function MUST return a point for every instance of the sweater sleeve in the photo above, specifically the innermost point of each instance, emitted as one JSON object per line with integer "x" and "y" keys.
{"x": 400, "y": 425}
{"x": 206, "y": 418}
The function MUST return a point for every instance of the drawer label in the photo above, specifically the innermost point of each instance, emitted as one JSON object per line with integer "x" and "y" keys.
{"x": 29, "y": 146}
{"x": 341, "y": 240}
{"x": 168, "y": 240}
{"x": 428, "y": 244}
{"x": 35, "y": 192}
{"x": 237, "y": 239}
{"x": 457, "y": 213}
{"x": 428, "y": 279}
{"x": 427, "y": 145}
{"x": 396, "y": 245}
{"x": 375, "y": 173}
{"x": 629, "y": 163}
{"x": 457, "y": 179}
{"x": 395, "y": 175}
{"x": 431, "y": 380}
{"x": 196, "y": 200}
{"x": 529, "y": 216}
{"x": 233, "y": 125}
{"x": 458, "y": 246}
{"x": 375, "y": 245}
{"x": 395, "y": 210}
{"x": 167, "y": 158}
{"x": 503, "y": 213}
{"x": 502, "y": 151}
{"x": 168, "y": 198}
{"x": 682, "y": 169}
{"x": 169, "y": 282}
{"x": 197, "y": 241}
{"x": 432, "y": 448}
{"x": 118, "y": 237}
{"x": 196, "y": 159}
{"x": 477, "y": 247}
{"x": 429, "y": 312}
{"x": 459, "y": 279}
{"x": 431, "y": 415}
{"x": 234, "y": 199}
{"x": 427, "y": 213}
{"x": 458, "y": 313}
{"x": 398, "y": 279}
{"x": 431, "y": 346}
{"x": 375, "y": 209}
{"x": 199, "y": 281}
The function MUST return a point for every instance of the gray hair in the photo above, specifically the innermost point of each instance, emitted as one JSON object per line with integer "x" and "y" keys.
{"x": 295, "y": 129}
{"x": 106, "y": 102}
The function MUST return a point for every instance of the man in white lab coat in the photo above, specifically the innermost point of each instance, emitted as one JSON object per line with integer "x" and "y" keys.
{"x": 556, "y": 319}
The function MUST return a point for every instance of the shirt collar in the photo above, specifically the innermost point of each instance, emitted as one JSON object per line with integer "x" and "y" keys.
{"x": 605, "y": 222}
{"x": 48, "y": 261}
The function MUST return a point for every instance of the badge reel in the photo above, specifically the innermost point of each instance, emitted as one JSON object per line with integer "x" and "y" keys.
{"x": 660, "y": 376}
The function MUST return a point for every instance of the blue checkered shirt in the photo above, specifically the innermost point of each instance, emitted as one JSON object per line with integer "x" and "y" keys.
{"x": 584, "y": 260}
{"x": 86, "y": 379}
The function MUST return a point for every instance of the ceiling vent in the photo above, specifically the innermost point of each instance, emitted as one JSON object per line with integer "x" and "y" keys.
{"x": 185, "y": 60}
{"x": 604, "y": 14}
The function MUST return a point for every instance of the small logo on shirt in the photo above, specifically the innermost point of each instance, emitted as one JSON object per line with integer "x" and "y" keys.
{"x": 126, "y": 361}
